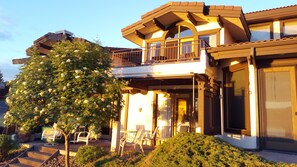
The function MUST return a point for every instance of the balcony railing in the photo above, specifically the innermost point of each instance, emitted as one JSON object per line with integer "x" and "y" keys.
{"x": 186, "y": 51}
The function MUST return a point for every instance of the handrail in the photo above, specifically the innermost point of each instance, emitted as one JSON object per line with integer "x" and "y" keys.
{"x": 158, "y": 54}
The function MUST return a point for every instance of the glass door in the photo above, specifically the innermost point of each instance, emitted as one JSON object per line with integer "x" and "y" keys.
{"x": 278, "y": 104}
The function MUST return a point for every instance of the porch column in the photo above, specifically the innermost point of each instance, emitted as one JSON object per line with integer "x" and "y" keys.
{"x": 115, "y": 138}
{"x": 201, "y": 88}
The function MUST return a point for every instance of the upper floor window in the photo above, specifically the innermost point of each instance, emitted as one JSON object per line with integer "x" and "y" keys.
{"x": 179, "y": 32}
{"x": 261, "y": 32}
{"x": 289, "y": 27}
{"x": 208, "y": 40}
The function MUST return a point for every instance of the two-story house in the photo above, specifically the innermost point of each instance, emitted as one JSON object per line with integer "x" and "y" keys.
{"x": 213, "y": 70}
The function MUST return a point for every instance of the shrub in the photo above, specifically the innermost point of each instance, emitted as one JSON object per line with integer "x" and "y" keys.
{"x": 192, "y": 149}
{"x": 6, "y": 144}
{"x": 87, "y": 154}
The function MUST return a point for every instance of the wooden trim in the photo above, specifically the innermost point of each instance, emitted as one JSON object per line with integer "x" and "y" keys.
{"x": 272, "y": 14}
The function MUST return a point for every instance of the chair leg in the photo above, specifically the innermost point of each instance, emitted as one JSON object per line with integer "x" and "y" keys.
{"x": 141, "y": 148}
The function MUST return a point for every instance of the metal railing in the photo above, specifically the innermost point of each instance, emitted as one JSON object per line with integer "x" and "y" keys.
{"x": 175, "y": 52}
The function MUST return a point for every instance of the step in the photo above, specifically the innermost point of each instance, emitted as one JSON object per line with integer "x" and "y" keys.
{"x": 19, "y": 165}
{"x": 39, "y": 155}
{"x": 30, "y": 161}
{"x": 46, "y": 150}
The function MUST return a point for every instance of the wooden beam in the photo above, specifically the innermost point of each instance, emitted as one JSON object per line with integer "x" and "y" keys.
{"x": 171, "y": 26}
{"x": 139, "y": 34}
{"x": 192, "y": 19}
{"x": 220, "y": 21}
{"x": 159, "y": 24}
{"x": 251, "y": 58}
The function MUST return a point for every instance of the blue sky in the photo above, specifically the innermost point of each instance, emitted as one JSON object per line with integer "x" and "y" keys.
{"x": 22, "y": 22}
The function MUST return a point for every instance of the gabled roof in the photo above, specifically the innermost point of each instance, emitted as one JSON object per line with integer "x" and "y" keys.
{"x": 166, "y": 16}
{"x": 284, "y": 12}
{"x": 261, "y": 48}
{"x": 44, "y": 43}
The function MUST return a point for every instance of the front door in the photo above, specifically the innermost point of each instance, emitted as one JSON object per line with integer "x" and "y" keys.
{"x": 279, "y": 108}
{"x": 182, "y": 116}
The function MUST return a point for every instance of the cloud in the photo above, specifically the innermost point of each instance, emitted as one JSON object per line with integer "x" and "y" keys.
{"x": 5, "y": 35}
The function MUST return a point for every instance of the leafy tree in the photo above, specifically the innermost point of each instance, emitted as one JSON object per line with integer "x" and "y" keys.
{"x": 70, "y": 86}
{"x": 1, "y": 77}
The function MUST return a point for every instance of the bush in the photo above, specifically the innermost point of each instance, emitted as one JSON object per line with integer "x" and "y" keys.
{"x": 87, "y": 154}
{"x": 192, "y": 149}
{"x": 6, "y": 144}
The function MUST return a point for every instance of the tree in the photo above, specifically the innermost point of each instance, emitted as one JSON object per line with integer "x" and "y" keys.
{"x": 1, "y": 77}
{"x": 70, "y": 86}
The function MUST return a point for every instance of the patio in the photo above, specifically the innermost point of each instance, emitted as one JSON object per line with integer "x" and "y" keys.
{"x": 101, "y": 142}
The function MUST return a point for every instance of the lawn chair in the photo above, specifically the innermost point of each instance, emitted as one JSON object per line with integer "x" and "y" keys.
{"x": 83, "y": 137}
{"x": 151, "y": 137}
{"x": 51, "y": 134}
{"x": 136, "y": 141}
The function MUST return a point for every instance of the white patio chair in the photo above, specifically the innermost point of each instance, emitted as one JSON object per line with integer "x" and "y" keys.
{"x": 51, "y": 134}
{"x": 150, "y": 137}
{"x": 136, "y": 141}
{"x": 83, "y": 137}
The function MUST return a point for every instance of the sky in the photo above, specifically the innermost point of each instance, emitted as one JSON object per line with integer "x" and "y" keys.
{"x": 22, "y": 22}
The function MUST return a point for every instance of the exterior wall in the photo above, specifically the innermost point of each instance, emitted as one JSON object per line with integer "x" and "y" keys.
{"x": 227, "y": 37}
{"x": 276, "y": 29}
{"x": 208, "y": 26}
{"x": 140, "y": 111}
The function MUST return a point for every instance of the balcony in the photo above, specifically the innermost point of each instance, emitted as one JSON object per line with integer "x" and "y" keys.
{"x": 172, "y": 52}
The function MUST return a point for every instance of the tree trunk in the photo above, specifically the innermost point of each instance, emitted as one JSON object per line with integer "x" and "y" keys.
{"x": 67, "y": 140}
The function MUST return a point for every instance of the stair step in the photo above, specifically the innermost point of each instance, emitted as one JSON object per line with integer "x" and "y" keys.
{"x": 39, "y": 155}
{"x": 46, "y": 150}
{"x": 30, "y": 161}
{"x": 19, "y": 165}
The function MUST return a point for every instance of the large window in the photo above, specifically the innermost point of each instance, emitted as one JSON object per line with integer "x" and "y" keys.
{"x": 179, "y": 43}
{"x": 261, "y": 32}
{"x": 289, "y": 27}
{"x": 236, "y": 101}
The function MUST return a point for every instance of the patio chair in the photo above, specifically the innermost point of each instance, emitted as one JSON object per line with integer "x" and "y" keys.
{"x": 151, "y": 137}
{"x": 136, "y": 141}
{"x": 51, "y": 134}
{"x": 83, "y": 137}
{"x": 76, "y": 132}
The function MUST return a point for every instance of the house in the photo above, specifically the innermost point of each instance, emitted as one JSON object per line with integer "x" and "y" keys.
{"x": 214, "y": 70}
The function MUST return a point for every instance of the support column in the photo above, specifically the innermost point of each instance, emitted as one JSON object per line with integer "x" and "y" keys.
{"x": 115, "y": 138}
{"x": 201, "y": 88}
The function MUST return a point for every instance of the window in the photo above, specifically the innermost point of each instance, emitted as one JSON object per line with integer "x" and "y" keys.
{"x": 261, "y": 32}
{"x": 208, "y": 40}
{"x": 236, "y": 99}
{"x": 289, "y": 28}
{"x": 179, "y": 44}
